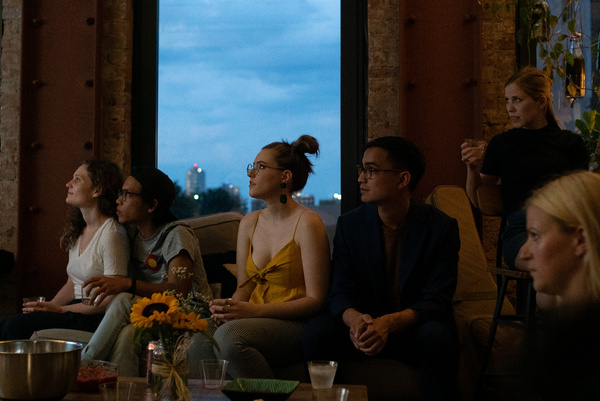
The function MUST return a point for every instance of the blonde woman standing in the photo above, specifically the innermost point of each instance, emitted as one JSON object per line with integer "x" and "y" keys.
{"x": 524, "y": 157}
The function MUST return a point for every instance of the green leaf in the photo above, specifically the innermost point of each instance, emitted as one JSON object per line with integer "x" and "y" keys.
{"x": 562, "y": 37}
{"x": 571, "y": 25}
{"x": 581, "y": 126}
{"x": 592, "y": 118}
{"x": 558, "y": 47}
{"x": 553, "y": 20}
{"x": 524, "y": 14}
{"x": 569, "y": 58}
{"x": 519, "y": 36}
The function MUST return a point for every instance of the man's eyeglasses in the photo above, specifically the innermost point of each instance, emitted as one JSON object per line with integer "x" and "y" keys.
{"x": 256, "y": 167}
{"x": 368, "y": 171}
{"x": 125, "y": 194}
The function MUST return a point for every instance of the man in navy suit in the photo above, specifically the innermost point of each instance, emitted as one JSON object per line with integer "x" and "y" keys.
{"x": 393, "y": 275}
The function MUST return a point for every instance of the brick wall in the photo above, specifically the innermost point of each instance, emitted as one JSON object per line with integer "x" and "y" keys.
{"x": 498, "y": 59}
{"x": 9, "y": 122}
{"x": 116, "y": 81}
{"x": 384, "y": 68}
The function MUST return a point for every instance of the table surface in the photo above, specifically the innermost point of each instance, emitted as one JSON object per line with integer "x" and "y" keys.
{"x": 302, "y": 393}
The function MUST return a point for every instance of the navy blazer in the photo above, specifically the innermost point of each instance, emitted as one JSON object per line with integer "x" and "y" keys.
{"x": 427, "y": 272}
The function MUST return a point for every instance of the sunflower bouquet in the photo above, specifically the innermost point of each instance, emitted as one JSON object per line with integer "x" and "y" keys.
{"x": 171, "y": 321}
{"x": 165, "y": 317}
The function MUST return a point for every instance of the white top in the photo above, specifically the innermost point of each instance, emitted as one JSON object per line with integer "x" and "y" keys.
{"x": 106, "y": 254}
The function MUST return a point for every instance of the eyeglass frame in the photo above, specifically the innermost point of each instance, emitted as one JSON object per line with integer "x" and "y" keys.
{"x": 368, "y": 171}
{"x": 125, "y": 194}
{"x": 258, "y": 166}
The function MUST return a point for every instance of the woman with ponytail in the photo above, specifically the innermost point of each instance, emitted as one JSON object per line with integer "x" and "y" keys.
{"x": 523, "y": 158}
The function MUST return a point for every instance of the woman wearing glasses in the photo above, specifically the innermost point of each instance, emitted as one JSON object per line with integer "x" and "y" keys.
{"x": 97, "y": 245}
{"x": 165, "y": 256}
{"x": 282, "y": 267}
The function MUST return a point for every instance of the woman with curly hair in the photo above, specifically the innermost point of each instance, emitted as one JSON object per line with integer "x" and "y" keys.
{"x": 282, "y": 267}
{"x": 97, "y": 245}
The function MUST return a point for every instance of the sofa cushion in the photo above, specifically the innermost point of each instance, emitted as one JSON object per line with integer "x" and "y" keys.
{"x": 474, "y": 281}
{"x": 217, "y": 236}
{"x": 77, "y": 336}
{"x": 216, "y": 232}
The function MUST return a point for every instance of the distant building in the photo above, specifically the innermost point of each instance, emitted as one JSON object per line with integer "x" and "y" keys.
{"x": 232, "y": 189}
{"x": 306, "y": 200}
{"x": 195, "y": 181}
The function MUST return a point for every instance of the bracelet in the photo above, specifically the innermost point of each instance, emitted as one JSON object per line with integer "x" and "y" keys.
{"x": 132, "y": 288}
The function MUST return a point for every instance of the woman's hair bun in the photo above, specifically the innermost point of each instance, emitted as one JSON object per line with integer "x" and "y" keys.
{"x": 306, "y": 144}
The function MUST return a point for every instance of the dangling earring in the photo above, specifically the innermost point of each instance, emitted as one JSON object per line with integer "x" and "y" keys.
{"x": 283, "y": 198}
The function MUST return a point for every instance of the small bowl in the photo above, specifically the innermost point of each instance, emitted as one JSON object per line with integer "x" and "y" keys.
{"x": 253, "y": 389}
{"x": 93, "y": 373}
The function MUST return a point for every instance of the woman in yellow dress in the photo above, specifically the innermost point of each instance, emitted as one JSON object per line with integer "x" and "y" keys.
{"x": 282, "y": 267}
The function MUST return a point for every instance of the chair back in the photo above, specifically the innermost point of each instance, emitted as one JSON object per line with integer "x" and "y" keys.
{"x": 474, "y": 281}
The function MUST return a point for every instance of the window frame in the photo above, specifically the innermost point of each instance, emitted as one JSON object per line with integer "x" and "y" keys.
{"x": 353, "y": 94}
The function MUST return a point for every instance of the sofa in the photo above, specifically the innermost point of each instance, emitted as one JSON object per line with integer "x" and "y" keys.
{"x": 474, "y": 303}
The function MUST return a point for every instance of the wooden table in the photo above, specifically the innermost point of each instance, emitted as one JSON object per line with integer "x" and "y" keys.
{"x": 302, "y": 393}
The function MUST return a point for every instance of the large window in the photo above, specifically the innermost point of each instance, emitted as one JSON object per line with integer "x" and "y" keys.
{"x": 353, "y": 90}
{"x": 234, "y": 76}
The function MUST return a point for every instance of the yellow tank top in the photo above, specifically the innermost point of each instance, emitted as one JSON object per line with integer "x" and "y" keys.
{"x": 282, "y": 279}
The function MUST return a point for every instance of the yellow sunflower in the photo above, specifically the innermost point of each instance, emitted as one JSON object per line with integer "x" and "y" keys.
{"x": 190, "y": 321}
{"x": 161, "y": 308}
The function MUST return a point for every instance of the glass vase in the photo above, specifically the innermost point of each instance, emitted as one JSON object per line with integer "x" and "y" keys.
{"x": 170, "y": 369}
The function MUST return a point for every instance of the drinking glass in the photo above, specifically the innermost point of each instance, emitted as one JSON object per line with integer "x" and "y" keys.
{"x": 322, "y": 373}
{"x": 213, "y": 372}
{"x": 478, "y": 146}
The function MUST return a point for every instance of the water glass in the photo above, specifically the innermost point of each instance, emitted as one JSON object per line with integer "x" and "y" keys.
{"x": 213, "y": 372}
{"x": 119, "y": 391}
{"x": 478, "y": 146}
{"x": 34, "y": 299}
{"x": 322, "y": 373}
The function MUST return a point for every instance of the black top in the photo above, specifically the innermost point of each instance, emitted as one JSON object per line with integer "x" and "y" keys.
{"x": 525, "y": 159}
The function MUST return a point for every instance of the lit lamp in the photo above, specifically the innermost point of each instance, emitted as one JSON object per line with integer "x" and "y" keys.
{"x": 574, "y": 69}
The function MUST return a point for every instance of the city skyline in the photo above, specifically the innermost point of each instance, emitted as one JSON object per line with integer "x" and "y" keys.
{"x": 235, "y": 76}
{"x": 192, "y": 188}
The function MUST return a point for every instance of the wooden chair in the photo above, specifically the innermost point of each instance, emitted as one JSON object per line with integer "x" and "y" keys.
{"x": 490, "y": 204}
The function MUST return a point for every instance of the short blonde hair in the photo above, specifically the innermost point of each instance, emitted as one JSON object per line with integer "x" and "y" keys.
{"x": 573, "y": 200}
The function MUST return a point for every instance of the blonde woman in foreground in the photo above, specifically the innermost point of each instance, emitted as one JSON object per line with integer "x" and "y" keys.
{"x": 562, "y": 352}
{"x": 563, "y": 245}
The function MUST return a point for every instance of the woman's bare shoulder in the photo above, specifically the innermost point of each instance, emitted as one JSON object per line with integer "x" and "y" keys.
{"x": 310, "y": 220}
{"x": 248, "y": 221}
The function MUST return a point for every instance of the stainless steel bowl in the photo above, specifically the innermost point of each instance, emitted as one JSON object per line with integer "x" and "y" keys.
{"x": 31, "y": 369}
